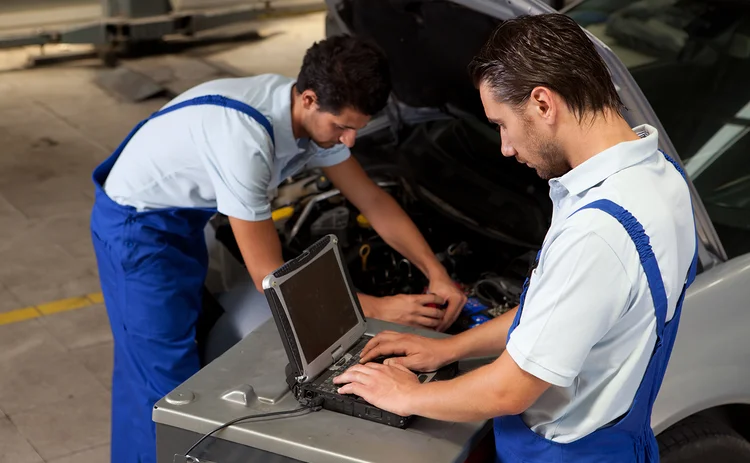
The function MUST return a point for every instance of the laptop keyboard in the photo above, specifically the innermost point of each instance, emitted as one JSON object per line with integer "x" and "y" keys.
{"x": 343, "y": 364}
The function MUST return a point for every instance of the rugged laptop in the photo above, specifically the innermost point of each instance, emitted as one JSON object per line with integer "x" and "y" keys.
{"x": 322, "y": 327}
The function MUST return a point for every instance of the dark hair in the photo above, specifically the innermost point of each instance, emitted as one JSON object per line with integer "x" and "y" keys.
{"x": 547, "y": 50}
{"x": 346, "y": 71}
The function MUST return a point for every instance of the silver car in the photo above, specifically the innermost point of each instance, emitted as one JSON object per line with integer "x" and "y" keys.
{"x": 682, "y": 66}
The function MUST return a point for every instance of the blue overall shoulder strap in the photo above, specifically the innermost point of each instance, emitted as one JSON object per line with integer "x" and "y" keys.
{"x": 100, "y": 173}
{"x": 645, "y": 253}
{"x": 694, "y": 265}
{"x": 522, "y": 301}
{"x": 218, "y": 100}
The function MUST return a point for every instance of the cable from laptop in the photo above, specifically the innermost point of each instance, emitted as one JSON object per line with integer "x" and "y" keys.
{"x": 316, "y": 405}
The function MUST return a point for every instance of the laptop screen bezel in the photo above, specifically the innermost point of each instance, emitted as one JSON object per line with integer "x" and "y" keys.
{"x": 311, "y": 368}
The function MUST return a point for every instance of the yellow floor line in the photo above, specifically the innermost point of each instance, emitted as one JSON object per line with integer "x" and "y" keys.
{"x": 49, "y": 308}
{"x": 96, "y": 298}
{"x": 64, "y": 305}
{"x": 19, "y": 315}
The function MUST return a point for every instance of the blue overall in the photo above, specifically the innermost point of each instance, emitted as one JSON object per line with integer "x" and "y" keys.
{"x": 631, "y": 438}
{"x": 152, "y": 267}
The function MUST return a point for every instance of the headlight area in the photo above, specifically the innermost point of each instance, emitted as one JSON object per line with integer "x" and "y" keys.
{"x": 307, "y": 207}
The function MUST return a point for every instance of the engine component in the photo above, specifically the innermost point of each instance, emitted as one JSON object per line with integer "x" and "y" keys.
{"x": 307, "y": 210}
{"x": 282, "y": 213}
{"x": 488, "y": 298}
{"x": 335, "y": 221}
{"x": 491, "y": 279}
{"x": 363, "y": 222}
{"x": 451, "y": 257}
{"x": 316, "y": 199}
{"x": 323, "y": 183}
{"x": 293, "y": 191}
{"x": 473, "y": 306}
{"x": 404, "y": 263}
{"x": 364, "y": 253}
{"x": 498, "y": 292}
{"x": 478, "y": 320}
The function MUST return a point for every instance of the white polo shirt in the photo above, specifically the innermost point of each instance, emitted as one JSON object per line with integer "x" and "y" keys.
{"x": 215, "y": 157}
{"x": 588, "y": 325}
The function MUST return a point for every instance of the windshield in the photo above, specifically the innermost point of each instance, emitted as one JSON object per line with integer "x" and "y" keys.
{"x": 691, "y": 59}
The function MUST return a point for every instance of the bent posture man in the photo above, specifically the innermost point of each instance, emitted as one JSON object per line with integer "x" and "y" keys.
{"x": 223, "y": 146}
{"x": 582, "y": 358}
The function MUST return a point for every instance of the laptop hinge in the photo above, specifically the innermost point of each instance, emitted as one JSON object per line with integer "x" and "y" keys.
{"x": 338, "y": 353}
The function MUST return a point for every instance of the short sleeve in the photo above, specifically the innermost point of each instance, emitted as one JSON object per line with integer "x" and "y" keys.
{"x": 576, "y": 295}
{"x": 239, "y": 162}
{"x": 329, "y": 157}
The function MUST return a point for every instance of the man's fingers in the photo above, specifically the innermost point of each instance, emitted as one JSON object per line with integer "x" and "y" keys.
{"x": 352, "y": 376}
{"x": 430, "y": 312}
{"x": 385, "y": 348}
{"x": 371, "y": 344}
{"x": 403, "y": 363}
{"x": 376, "y": 366}
{"x": 450, "y": 315}
{"x": 400, "y": 366}
{"x": 379, "y": 338}
{"x": 353, "y": 388}
{"x": 427, "y": 322}
{"x": 365, "y": 370}
{"x": 394, "y": 361}
{"x": 428, "y": 299}
{"x": 375, "y": 341}
{"x": 399, "y": 363}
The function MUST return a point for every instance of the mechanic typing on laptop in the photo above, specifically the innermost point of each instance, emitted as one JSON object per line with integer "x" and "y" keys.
{"x": 581, "y": 360}
{"x": 322, "y": 327}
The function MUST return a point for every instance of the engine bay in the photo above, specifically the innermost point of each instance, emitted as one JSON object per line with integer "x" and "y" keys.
{"x": 307, "y": 207}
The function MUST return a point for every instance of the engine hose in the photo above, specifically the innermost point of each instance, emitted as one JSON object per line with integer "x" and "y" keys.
{"x": 417, "y": 191}
{"x": 502, "y": 290}
{"x": 315, "y": 200}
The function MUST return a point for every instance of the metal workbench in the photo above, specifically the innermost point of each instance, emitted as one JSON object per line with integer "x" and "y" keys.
{"x": 249, "y": 379}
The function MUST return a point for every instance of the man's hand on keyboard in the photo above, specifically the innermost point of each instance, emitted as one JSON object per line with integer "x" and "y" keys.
{"x": 414, "y": 352}
{"x": 386, "y": 387}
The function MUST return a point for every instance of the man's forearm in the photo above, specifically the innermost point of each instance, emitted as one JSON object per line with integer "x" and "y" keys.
{"x": 487, "y": 339}
{"x": 478, "y": 395}
{"x": 398, "y": 230}
{"x": 260, "y": 248}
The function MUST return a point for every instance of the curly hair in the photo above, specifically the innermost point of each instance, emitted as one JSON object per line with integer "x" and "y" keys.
{"x": 346, "y": 72}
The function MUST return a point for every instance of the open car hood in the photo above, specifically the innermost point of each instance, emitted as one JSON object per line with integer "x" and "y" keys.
{"x": 430, "y": 43}
{"x": 457, "y": 164}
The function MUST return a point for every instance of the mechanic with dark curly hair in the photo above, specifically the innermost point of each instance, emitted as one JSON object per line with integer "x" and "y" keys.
{"x": 224, "y": 146}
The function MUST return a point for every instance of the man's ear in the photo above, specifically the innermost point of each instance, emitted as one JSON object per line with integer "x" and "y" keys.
{"x": 543, "y": 104}
{"x": 309, "y": 99}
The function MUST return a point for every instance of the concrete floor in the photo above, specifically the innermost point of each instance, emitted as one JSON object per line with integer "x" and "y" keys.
{"x": 56, "y": 125}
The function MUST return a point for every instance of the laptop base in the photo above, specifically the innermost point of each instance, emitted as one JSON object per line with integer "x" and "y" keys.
{"x": 307, "y": 393}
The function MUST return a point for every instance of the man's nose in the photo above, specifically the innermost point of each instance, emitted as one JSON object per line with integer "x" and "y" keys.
{"x": 507, "y": 149}
{"x": 348, "y": 137}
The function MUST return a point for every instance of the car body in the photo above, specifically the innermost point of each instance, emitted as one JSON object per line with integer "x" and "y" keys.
{"x": 434, "y": 137}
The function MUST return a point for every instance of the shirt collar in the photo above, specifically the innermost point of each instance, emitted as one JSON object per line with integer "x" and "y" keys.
{"x": 610, "y": 161}
{"x": 281, "y": 119}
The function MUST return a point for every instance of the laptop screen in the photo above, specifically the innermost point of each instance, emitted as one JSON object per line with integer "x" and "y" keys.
{"x": 319, "y": 304}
